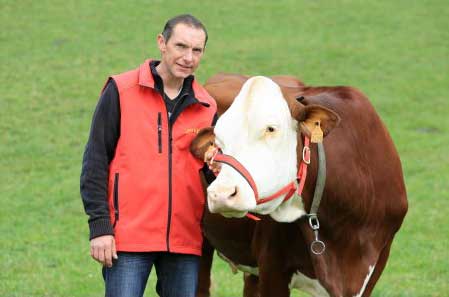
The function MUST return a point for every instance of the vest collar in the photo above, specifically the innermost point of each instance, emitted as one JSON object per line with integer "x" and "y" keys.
{"x": 146, "y": 79}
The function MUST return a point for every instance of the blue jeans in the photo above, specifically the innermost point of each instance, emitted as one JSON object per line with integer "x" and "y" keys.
{"x": 177, "y": 274}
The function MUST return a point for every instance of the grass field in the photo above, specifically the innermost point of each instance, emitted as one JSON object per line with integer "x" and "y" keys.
{"x": 56, "y": 55}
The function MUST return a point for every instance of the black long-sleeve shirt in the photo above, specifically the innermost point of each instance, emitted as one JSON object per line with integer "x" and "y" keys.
{"x": 98, "y": 154}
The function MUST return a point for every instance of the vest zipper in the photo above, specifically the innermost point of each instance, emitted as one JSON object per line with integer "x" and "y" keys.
{"x": 116, "y": 210}
{"x": 159, "y": 132}
{"x": 169, "y": 184}
{"x": 170, "y": 152}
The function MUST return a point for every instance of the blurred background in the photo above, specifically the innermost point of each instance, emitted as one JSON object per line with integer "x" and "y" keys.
{"x": 56, "y": 56}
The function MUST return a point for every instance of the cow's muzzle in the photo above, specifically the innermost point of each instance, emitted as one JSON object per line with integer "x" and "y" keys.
{"x": 225, "y": 199}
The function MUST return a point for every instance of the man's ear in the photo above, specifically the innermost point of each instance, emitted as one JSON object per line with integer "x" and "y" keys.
{"x": 309, "y": 115}
{"x": 161, "y": 42}
{"x": 201, "y": 143}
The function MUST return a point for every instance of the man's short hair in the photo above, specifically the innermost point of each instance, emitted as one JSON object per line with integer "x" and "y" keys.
{"x": 186, "y": 19}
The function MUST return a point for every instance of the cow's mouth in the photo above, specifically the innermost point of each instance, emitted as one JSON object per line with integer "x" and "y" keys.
{"x": 233, "y": 214}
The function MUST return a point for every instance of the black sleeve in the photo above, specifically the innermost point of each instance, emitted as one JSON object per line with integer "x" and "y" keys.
{"x": 98, "y": 154}
{"x": 214, "y": 121}
{"x": 208, "y": 174}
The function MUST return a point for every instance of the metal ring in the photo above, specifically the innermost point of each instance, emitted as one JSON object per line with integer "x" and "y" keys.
{"x": 317, "y": 247}
{"x": 306, "y": 148}
{"x": 314, "y": 223}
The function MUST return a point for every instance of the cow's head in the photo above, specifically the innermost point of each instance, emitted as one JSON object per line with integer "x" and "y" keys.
{"x": 260, "y": 130}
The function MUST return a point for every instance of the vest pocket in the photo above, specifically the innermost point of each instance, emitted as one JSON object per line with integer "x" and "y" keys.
{"x": 159, "y": 132}
{"x": 116, "y": 209}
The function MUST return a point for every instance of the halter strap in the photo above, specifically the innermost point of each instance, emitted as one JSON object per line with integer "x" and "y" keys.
{"x": 289, "y": 189}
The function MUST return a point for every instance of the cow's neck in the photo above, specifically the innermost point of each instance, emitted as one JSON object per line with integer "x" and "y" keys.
{"x": 290, "y": 210}
{"x": 293, "y": 209}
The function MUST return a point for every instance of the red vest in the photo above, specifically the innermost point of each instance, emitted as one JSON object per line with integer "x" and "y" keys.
{"x": 156, "y": 200}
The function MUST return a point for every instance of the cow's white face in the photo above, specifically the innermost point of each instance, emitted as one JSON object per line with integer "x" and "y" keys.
{"x": 259, "y": 131}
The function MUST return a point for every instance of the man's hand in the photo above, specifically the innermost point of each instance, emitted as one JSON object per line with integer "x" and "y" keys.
{"x": 209, "y": 156}
{"x": 102, "y": 249}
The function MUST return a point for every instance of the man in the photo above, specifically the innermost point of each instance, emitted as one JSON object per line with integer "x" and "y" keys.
{"x": 140, "y": 184}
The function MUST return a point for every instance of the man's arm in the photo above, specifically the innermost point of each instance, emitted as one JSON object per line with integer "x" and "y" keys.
{"x": 98, "y": 154}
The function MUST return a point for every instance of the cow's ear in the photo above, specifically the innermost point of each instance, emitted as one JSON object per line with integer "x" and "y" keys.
{"x": 310, "y": 115}
{"x": 201, "y": 143}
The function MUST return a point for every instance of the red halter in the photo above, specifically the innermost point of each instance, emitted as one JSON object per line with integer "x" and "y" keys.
{"x": 289, "y": 189}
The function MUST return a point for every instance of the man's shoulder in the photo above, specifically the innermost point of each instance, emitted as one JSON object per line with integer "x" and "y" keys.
{"x": 127, "y": 79}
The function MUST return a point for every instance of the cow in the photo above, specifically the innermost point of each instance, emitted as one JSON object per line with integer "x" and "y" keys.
{"x": 334, "y": 243}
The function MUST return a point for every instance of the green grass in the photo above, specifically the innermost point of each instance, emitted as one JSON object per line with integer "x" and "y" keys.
{"x": 56, "y": 55}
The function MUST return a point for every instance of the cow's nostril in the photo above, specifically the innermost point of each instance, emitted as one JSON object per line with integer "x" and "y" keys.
{"x": 235, "y": 192}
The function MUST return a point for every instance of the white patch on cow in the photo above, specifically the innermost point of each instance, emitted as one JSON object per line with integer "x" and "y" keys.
{"x": 313, "y": 287}
{"x": 248, "y": 269}
{"x": 365, "y": 283}
{"x": 259, "y": 131}
{"x": 290, "y": 210}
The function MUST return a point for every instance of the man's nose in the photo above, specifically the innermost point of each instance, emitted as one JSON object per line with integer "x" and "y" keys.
{"x": 188, "y": 55}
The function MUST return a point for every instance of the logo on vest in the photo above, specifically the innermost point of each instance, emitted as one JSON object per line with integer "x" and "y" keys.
{"x": 192, "y": 130}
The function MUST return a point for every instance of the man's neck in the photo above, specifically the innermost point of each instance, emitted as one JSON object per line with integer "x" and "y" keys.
{"x": 172, "y": 85}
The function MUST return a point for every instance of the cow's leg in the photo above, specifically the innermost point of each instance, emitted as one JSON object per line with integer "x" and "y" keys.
{"x": 251, "y": 285}
{"x": 204, "y": 274}
{"x": 381, "y": 263}
{"x": 359, "y": 274}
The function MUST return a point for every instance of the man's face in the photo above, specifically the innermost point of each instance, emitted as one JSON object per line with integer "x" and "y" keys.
{"x": 181, "y": 54}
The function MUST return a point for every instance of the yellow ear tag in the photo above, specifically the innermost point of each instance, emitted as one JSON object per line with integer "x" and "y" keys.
{"x": 317, "y": 133}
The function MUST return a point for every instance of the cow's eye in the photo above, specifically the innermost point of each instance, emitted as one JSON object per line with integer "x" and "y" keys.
{"x": 270, "y": 129}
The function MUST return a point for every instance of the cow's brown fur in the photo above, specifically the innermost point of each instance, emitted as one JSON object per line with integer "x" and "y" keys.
{"x": 363, "y": 205}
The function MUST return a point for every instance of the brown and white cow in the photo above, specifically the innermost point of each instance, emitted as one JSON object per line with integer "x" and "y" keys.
{"x": 363, "y": 203}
